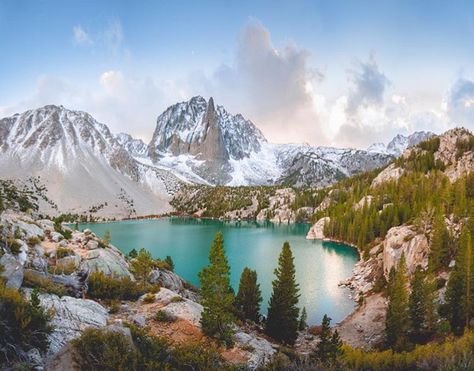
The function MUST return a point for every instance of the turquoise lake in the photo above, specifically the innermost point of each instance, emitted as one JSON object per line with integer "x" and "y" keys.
{"x": 320, "y": 266}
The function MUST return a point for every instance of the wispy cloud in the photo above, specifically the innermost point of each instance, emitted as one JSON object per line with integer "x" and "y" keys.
{"x": 81, "y": 37}
{"x": 113, "y": 36}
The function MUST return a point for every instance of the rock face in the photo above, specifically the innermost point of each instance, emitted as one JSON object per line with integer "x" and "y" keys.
{"x": 364, "y": 201}
{"x": 184, "y": 309}
{"x": 456, "y": 166}
{"x": 173, "y": 282}
{"x": 262, "y": 350}
{"x": 109, "y": 260}
{"x": 208, "y": 133}
{"x": 316, "y": 232}
{"x": 365, "y": 327}
{"x": 280, "y": 207}
{"x": 71, "y": 317}
{"x": 12, "y": 271}
{"x": 406, "y": 240}
{"x": 390, "y": 173}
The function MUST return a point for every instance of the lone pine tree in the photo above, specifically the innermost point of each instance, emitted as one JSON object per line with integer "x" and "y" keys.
{"x": 216, "y": 293}
{"x": 282, "y": 321}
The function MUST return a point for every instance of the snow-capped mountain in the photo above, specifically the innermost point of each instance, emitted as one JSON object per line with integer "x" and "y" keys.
{"x": 135, "y": 147}
{"x": 209, "y": 136}
{"x": 81, "y": 163}
{"x": 85, "y": 167}
{"x": 197, "y": 139}
{"x": 400, "y": 143}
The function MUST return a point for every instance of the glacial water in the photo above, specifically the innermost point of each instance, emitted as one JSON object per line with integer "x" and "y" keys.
{"x": 320, "y": 266}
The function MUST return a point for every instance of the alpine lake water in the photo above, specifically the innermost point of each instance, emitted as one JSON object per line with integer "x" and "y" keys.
{"x": 320, "y": 265}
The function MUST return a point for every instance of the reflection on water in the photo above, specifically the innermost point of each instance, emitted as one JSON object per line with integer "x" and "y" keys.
{"x": 320, "y": 266}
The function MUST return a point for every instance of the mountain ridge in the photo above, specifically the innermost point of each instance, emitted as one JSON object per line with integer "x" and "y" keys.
{"x": 194, "y": 142}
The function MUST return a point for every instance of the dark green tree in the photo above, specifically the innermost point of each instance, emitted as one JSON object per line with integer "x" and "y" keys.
{"x": 302, "y": 324}
{"x": 282, "y": 321}
{"x": 329, "y": 346}
{"x": 421, "y": 308}
{"x": 216, "y": 294}
{"x": 440, "y": 244}
{"x": 170, "y": 262}
{"x": 249, "y": 295}
{"x": 396, "y": 322}
{"x": 459, "y": 293}
{"x": 132, "y": 254}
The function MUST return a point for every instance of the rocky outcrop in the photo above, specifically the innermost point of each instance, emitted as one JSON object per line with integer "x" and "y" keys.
{"x": 391, "y": 173}
{"x": 26, "y": 226}
{"x": 365, "y": 201}
{"x": 261, "y": 350}
{"x": 365, "y": 327}
{"x": 316, "y": 232}
{"x": 280, "y": 207}
{"x": 12, "y": 271}
{"x": 71, "y": 317}
{"x": 405, "y": 240}
{"x": 173, "y": 282}
{"x": 108, "y": 260}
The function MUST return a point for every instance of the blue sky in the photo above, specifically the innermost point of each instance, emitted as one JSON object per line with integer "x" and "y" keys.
{"x": 325, "y": 72}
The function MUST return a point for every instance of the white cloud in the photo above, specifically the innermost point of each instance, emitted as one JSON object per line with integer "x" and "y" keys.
{"x": 81, "y": 37}
{"x": 368, "y": 85}
{"x": 272, "y": 86}
{"x": 459, "y": 102}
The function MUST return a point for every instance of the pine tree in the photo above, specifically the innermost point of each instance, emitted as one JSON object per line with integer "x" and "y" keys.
{"x": 249, "y": 295}
{"x": 170, "y": 262}
{"x": 303, "y": 320}
{"x": 459, "y": 294}
{"x": 329, "y": 346}
{"x": 282, "y": 321}
{"x": 396, "y": 322}
{"x": 142, "y": 265}
{"x": 216, "y": 294}
{"x": 440, "y": 241}
{"x": 421, "y": 308}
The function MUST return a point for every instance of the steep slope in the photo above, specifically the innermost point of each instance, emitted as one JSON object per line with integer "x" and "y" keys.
{"x": 81, "y": 164}
{"x": 135, "y": 147}
{"x": 210, "y": 137}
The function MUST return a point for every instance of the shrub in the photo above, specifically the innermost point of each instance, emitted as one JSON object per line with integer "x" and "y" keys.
{"x": 42, "y": 283}
{"x": 102, "y": 286}
{"x": 105, "y": 350}
{"x": 149, "y": 298}
{"x": 176, "y": 299}
{"x": 114, "y": 306}
{"x": 101, "y": 350}
{"x": 14, "y": 246}
{"x": 32, "y": 241}
{"x": 195, "y": 357}
{"x": 23, "y": 324}
{"x": 62, "y": 252}
{"x": 62, "y": 268}
{"x": 162, "y": 316}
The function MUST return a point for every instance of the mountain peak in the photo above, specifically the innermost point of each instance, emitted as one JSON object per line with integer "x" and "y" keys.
{"x": 400, "y": 143}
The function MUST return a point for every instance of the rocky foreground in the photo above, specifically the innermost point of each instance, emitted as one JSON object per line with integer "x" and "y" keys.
{"x": 44, "y": 258}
